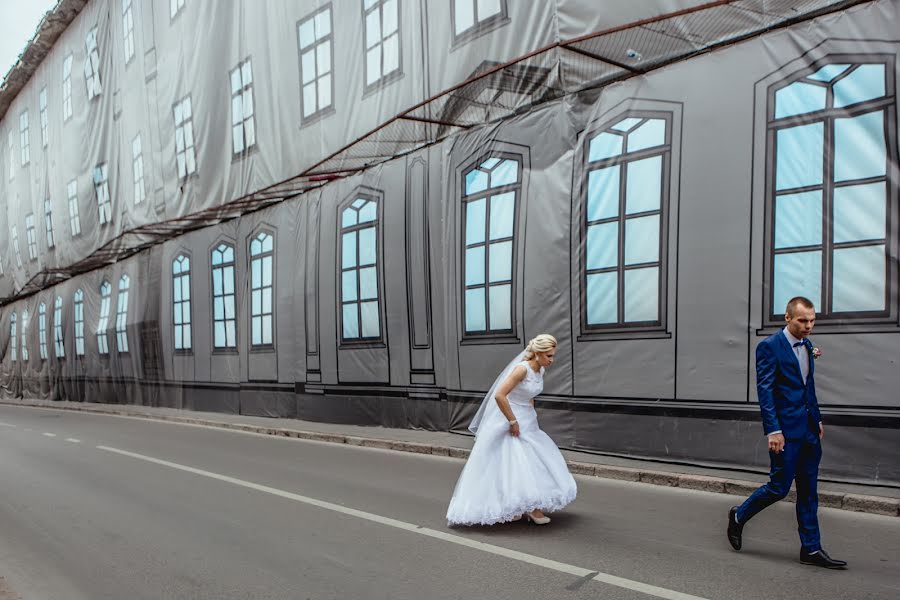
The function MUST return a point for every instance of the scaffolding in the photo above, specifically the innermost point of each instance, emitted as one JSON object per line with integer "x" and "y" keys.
{"x": 494, "y": 91}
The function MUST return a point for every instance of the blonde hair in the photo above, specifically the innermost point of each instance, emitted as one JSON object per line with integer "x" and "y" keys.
{"x": 540, "y": 343}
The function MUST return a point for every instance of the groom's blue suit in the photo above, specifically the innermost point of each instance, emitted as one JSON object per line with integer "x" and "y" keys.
{"x": 789, "y": 405}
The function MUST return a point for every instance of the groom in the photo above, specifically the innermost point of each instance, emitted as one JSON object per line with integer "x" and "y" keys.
{"x": 793, "y": 424}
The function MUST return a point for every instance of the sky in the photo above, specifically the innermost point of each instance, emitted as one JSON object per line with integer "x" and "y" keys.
{"x": 18, "y": 21}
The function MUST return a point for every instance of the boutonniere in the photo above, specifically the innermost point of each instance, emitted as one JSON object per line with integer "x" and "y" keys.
{"x": 816, "y": 353}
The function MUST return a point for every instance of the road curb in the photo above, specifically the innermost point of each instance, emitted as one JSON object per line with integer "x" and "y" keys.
{"x": 852, "y": 502}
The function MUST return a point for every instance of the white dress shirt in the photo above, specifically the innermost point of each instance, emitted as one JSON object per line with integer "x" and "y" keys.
{"x": 800, "y": 352}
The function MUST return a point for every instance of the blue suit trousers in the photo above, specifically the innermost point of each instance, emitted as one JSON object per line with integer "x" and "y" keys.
{"x": 798, "y": 461}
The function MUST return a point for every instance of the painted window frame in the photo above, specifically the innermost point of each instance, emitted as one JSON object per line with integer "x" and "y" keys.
{"x": 122, "y": 314}
{"x": 220, "y": 267}
{"x": 31, "y": 237}
{"x": 42, "y": 331}
{"x": 137, "y": 170}
{"x": 92, "y": 65}
{"x": 185, "y": 148}
{"x": 313, "y": 48}
{"x": 182, "y": 318}
{"x": 827, "y": 319}
{"x": 14, "y": 239}
{"x": 59, "y": 338}
{"x": 101, "y": 193}
{"x": 241, "y": 84}
{"x": 23, "y": 326}
{"x": 622, "y": 327}
{"x": 78, "y": 314}
{"x": 128, "y": 30}
{"x": 376, "y": 9}
{"x": 259, "y": 318}
{"x": 45, "y": 118}
{"x": 478, "y": 27}
{"x": 344, "y": 268}
{"x": 103, "y": 321}
{"x": 74, "y": 212}
{"x": 175, "y": 8}
{"x": 67, "y": 87}
{"x": 24, "y": 138}
{"x": 13, "y": 337}
{"x": 48, "y": 224}
{"x": 466, "y": 202}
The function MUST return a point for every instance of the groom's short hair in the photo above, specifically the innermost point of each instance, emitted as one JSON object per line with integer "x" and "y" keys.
{"x": 801, "y": 300}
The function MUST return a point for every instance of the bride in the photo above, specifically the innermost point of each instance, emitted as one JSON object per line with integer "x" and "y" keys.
{"x": 514, "y": 468}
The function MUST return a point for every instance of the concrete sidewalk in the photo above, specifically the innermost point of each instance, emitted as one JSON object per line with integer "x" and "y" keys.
{"x": 846, "y": 496}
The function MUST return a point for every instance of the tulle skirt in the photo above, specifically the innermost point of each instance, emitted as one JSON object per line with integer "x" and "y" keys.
{"x": 506, "y": 476}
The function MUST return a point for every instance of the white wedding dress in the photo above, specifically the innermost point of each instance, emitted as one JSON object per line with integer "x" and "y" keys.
{"x": 507, "y": 476}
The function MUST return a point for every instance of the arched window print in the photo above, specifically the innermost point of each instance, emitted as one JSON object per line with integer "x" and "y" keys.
{"x": 262, "y": 255}
{"x": 224, "y": 320}
{"x": 491, "y": 194}
{"x": 58, "y": 340}
{"x": 103, "y": 323}
{"x": 122, "y": 314}
{"x": 79, "y": 322}
{"x": 830, "y": 199}
{"x": 25, "y": 335}
{"x": 623, "y": 222}
{"x": 42, "y": 330}
{"x": 359, "y": 283}
{"x": 181, "y": 302}
{"x": 13, "y": 338}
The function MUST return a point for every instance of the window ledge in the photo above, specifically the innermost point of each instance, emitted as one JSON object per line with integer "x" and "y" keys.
{"x": 247, "y": 152}
{"x": 182, "y": 181}
{"x": 361, "y": 344}
{"x": 624, "y": 334}
{"x": 225, "y": 352}
{"x": 489, "y": 340}
{"x": 832, "y": 328}
{"x": 487, "y": 26}
{"x": 317, "y": 116}
{"x": 379, "y": 84}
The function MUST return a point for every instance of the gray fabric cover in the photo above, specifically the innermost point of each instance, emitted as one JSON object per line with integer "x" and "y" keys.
{"x": 683, "y": 391}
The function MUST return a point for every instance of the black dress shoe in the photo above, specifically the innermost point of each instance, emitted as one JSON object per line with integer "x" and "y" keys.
{"x": 821, "y": 559}
{"x": 735, "y": 529}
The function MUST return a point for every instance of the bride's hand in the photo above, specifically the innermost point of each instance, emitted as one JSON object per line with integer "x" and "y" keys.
{"x": 514, "y": 428}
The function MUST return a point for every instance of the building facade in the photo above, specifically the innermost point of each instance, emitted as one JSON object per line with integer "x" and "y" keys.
{"x": 360, "y": 211}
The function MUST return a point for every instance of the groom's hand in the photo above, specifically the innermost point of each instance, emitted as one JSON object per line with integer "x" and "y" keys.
{"x": 821, "y": 431}
{"x": 776, "y": 442}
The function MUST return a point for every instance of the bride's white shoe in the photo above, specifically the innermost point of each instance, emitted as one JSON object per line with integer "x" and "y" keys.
{"x": 537, "y": 520}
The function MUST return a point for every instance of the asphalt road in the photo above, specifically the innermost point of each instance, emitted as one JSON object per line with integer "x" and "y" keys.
{"x": 95, "y": 506}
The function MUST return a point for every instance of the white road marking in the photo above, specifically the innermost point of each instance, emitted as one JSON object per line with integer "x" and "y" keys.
{"x": 49, "y": 434}
{"x": 6, "y": 425}
{"x": 621, "y": 582}
{"x": 73, "y": 440}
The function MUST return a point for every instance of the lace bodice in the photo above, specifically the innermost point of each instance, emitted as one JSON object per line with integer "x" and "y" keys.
{"x": 528, "y": 388}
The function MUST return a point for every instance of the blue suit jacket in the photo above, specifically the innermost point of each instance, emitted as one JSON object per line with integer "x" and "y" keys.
{"x": 785, "y": 402}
